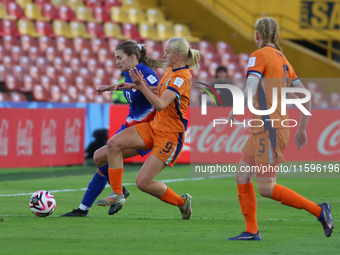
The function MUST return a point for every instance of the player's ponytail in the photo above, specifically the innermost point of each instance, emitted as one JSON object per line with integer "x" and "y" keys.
{"x": 180, "y": 45}
{"x": 269, "y": 30}
{"x": 131, "y": 48}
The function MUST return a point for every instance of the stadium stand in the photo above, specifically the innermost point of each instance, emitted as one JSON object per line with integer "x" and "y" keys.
{"x": 61, "y": 50}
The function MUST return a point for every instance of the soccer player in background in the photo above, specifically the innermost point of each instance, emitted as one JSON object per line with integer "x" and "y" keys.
{"x": 269, "y": 68}
{"x": 164, "y": 135}
{"x": 128, "y": 55}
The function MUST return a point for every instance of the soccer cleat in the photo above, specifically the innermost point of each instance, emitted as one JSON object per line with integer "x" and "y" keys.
{"x": 112, "y": 199}
{"x": 245, "y": 236}
{"x": 186, "y": 208}
{"x": 114, "y": 208}
{"x": 326, "y": 219}
{"x": 76, "y": 213}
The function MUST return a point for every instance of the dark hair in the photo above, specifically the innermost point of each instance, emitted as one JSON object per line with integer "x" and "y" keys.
{"x": 131, "y": 48}
{"x": 221, "y": 69}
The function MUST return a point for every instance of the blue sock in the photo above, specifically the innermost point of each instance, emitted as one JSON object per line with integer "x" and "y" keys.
{"x": 95, "y": 187}
{"x": 105, "y": 171}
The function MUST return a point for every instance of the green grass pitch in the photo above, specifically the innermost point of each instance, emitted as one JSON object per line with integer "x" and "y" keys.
{"x": 146, "y": 225}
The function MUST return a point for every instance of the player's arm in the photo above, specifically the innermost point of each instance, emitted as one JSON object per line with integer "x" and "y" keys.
{"x": 252, "y": 83}
{"x": 301, "y": 135}
{"x": 158, "y": 103}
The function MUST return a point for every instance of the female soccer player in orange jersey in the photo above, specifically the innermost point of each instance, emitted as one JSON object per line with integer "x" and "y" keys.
{"x": 164, "y": 135}
{"x": 268, "y": 68}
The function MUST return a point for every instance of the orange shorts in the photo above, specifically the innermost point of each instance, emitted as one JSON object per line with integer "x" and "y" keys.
{"x": 165, "y": 145}
{"x": 267, "y": 146}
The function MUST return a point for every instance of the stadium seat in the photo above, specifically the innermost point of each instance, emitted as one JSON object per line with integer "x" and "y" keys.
{"x": 101, "y": 14}
{"x": 32, "y": 11}
{"x": 34, "y": 72}
{"x": 118, "y": 14}
{"x": 223, "y": 47}
{"x": 26, "y": 27}
{"x": 68, "y": 73}
{"x": 75, "y": 3}
{"x": 34, "y": 53}
{"x": 25, "y": 62}
{"x": 98, "y": 99}
{"x": 51, "y": 53}
{"x": 44, "y": 28}
{"x": 28, "y": 83}
{"x": 151, "y": 45}
{"x": 39, "y": 93}
{"x": 184, "y": 31}
{"x": 61, "y": 28}
{"x": 147, "y": 31}
{"x": 85, "y": 74}
{"x": 109, "y": 66}
{"x": 155, "y": 16}
{"x": 8, "y": 62}
{"x": 75, "y": 64}
{"x": 85, "y": 55}
{"x": 101, "y": 73}
{"x": 50, "y": 11}
{"x": 64, "y": 98}
{"x": 78, "y": 29}
{"x": 9, "y": 27}
{"x": 81, "y": 98}
{"x": 17, "y": 97}
{"x": 227, "y": 58}
{"x": 46, "y": 82}
{"x": 58, "y": 64}
{"x": 206, "y": 47}
{"x": 135, "y": 15}
{"x": 72, "y": 92}
{"x": 23, "y": 3}
{"x": 165, "y": 30}
{"x": 92, "y": 65}
{"x": 96, "y": 82}
{"x": 27, "y": 42}
{"x": 9, "y": 41}
{"x": 16, "y": 53}
{"x": 97, "y": 43}
{"x": 52, "y": 73}
{"x": 44, "y": 42}
{"x": 130, "y": 3}
{"x": 110, "y": 3}
{"x": 4, "y": 14}
{"x": 80, "y": 84}
{"x": 67, "y": 55}
{"x": 62, "y": 83}
{"x": 41, "y": 3}
{"x": 55, "y": 94}
{"x": 113, "y": 30}
{"x": 66, "y": 13}
{"x": 12, "y": 83}
{"x": 80, "y": 43}
{"x": 62, "y": 43}
{"x": 18, "y": 71}
{"x": 131, "y": 31}
{"x": 95, "y": 29}
{"x": 15, "y": 10}
{"x": 58, "y": 3}
{"x": 4, "y": 97}
{"x": 94, "y": 3}
{"x": 334, "y": 99}
{"x": 3, "y": 71}
{"x": 113, "y": 43}
{"x": 103, "y": 55}
{"x": 84, "y": 13}
{"x": 90, "y": 93}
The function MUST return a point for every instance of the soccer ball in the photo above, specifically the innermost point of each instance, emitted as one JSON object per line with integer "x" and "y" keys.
{"x": 42, "y": 203}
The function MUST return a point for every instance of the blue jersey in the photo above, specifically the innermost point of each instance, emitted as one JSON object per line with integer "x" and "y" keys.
{"x": 140, "y": 108}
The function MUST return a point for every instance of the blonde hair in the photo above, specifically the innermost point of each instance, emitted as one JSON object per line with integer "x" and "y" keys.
{"x": 269, "y": 30}
{"x": 181, "y": 46}
{"x": 130, "y": 48}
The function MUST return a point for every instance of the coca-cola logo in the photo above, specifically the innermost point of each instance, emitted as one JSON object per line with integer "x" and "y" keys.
{"x": 217, "y": 139}
{"x": 48, "y": 137}
{"x": 25, "y": 138}
{"x": 4, "y": 138}
{"x": 72, "y": 136}
{"x": 329, "y": 141}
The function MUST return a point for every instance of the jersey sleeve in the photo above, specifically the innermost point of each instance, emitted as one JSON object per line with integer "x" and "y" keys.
{"x": 151, "y": 79}
{"x": 294, "y": 78}
{"x": 177, "y": 84}
{"x": 256, "y": 64}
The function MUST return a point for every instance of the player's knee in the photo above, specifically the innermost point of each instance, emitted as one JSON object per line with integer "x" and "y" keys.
{"x": 266, "y": 192}
{"x": 141, "y": 184}
{"x": 113, "y": 145}
{"x": 99, "y": 159}
{"x": 241, "y": 180}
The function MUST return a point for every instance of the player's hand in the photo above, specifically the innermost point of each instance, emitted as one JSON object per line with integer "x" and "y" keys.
{"x": 137, "y": 77}
{"x": 300, "y": 139}
{"x": 125, "y": 85}
{"x": 103, "y": 88}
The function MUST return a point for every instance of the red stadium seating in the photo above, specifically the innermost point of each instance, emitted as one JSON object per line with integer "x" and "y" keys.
{"x": 25, "y": 62}
{"x": 62, "y": 83}
{"x": 8, "y": 62}
{"x": 44, "y": 28}
{"x": 9, "y": 41}
{"x": 55, "y": 94}
{"x": 79, "y": 44}
{"x": 14, "y": 9}
{"x": 51, "y": 53}
{"x": 66, "y": 13}
{"x": 49, "y": 11}
{"x": 58, "y": 64}
{"x": 12, "y": 83}
{"x": 4, "y": 97}
{"x": 101, "y": 14}
{"x": 223, "y": 47}
{"x": 62, "y": 43}
{"x": 94, "y": 3}
{"x": 16, "y": 53}
{"x": 92, "y": 65}
{"x": 131, "y": 31}
{"x": 28, "y": 83}
{"x": 81, "y": 83}
{"x": 113, "y": 43}
{"x": 103, "y": 55}
{"x": 27, "y": 42}
{"x": 110, "y": 3}
{"x": 52, "y": 73}
{"x": 18, "y": 71}
{"x": 46, "y": 82}
{"x": 85, "y": 73}
{"x": 34, "y": 72}
{"x": 69, "y": 74}
{"x": 109, "y": 66}
{"x": 34, "y": 53}
{"x": 85, "y": 55}
{"x": 9, "y": 27}
{"x": 75, "y": 64}
{"x": 95, "y": 29}
{"x": 17, "y": 97}
{"x": 39, "y": 93}
{"x": 41, "y": 3}
{"x": 72, "y": 92}
{"x": 44, "y": 42}
{"x": 97, "y": 43}
{"x": 3, "y": 71}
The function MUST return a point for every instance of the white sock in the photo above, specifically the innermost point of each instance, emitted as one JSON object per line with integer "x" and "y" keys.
{"x": 84, "y": 207}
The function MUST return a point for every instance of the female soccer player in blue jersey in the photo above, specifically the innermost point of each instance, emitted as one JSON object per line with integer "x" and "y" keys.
{"x": 128, "y": 55}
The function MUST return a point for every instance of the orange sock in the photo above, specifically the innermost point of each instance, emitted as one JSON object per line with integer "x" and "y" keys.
{"x": 116, "y": 179}
{"x": 247, "y": 199}
{"x": 288, "y": 197}
{"x": 171, "y": 197}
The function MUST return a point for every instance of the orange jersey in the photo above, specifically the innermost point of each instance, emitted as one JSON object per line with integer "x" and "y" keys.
{"x": 172, "y": 118}
{"x": 274, "y": 70}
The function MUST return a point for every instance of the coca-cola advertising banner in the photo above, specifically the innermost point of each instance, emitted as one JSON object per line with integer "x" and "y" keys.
{"x": 41, "y": 137}
{"x": 205, "y": 143}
